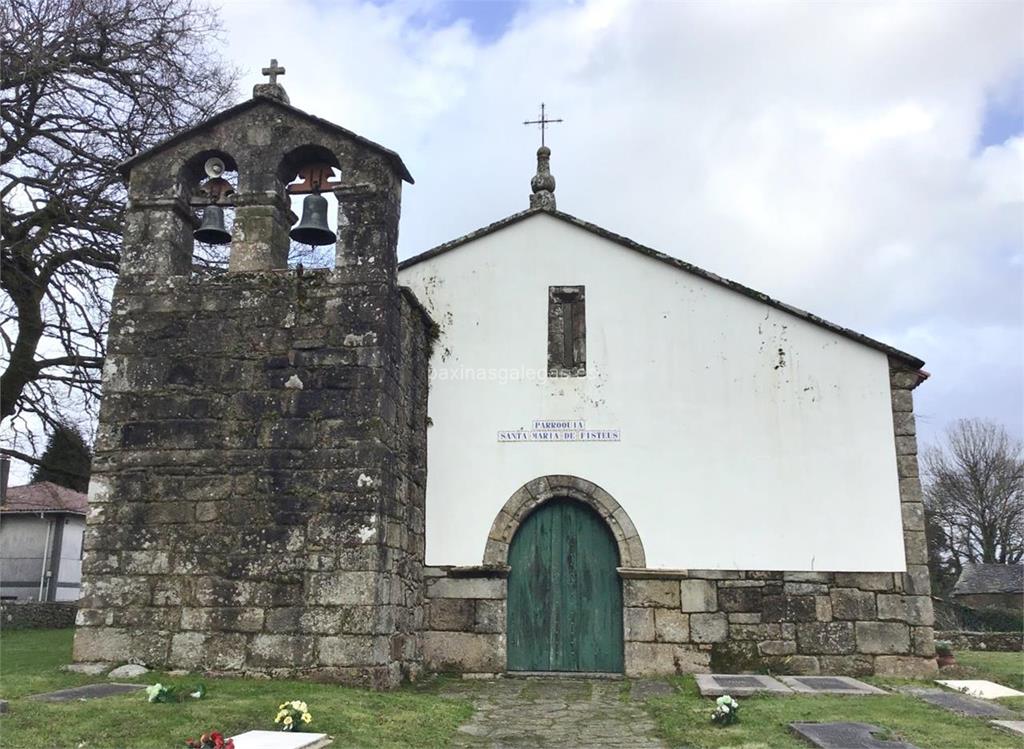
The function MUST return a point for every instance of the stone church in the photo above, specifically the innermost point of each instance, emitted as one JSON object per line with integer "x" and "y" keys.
{"x": 540, "y": 447}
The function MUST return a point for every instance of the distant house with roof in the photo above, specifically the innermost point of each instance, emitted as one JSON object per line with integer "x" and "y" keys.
{"x": 41, "y": 529}
{"x": 991, "y": 586}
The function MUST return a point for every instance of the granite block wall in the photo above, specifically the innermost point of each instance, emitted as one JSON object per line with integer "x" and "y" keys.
{"x": 257, "y": 493}
{"x": 701, "y": 621}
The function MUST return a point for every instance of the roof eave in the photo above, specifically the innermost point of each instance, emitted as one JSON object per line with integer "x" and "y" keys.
{"x": 50, "y": 511}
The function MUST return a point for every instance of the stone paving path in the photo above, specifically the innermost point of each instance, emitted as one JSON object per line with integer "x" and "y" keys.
{"x": 550, "y": 712}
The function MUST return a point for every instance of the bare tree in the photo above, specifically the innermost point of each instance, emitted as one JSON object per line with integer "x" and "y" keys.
{"x": 84, "y": 84}
{"x": 974, "y": 494}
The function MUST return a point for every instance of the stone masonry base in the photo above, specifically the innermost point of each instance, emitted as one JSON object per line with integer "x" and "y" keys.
{"x": 707, "y": 620}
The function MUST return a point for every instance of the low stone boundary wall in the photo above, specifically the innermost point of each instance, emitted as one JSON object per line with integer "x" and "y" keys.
{"x": 708, "y": 620}
{"x": 34, "y": 615}
{"x": 1007, "y": 641}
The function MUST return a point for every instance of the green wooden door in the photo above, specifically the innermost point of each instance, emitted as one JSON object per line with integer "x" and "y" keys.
{"x": 564, "y": 593}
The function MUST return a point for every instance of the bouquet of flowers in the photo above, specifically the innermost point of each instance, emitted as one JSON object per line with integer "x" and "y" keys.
{"x": 726, "y": 711}
{"x": 293, "y": 714}
{"x": 211, "y": 740}
{"x": 160, "y": 693}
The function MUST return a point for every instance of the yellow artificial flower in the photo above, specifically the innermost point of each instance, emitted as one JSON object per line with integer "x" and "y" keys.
{"x": 296, "y": 704}
{"x": 288, "y": 720}
{"x": 302, "y": 707}
{"x": 282, "y": 706}
{"x": 307, "y": 718}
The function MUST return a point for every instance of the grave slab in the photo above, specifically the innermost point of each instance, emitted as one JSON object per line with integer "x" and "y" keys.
{"x": 88, "y": 692}
{"x": 280, "y": 740}
{"x": 1013, "y": 726}
{"x": 845, "y": 736}
{"x": 961, "y": 703}
{"x": 987, "y": 690}
{"x": 738, "y": 685}
{"x": 829, "y": 685}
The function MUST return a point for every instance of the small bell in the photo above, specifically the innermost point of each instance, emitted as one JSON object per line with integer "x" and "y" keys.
{"x": 312, "y": 228}
{"x": 211, "y": 230}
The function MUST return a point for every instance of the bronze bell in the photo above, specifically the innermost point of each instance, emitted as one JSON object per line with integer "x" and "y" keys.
{"x": 312, "y": 228}
{"x": 211, "y": 230}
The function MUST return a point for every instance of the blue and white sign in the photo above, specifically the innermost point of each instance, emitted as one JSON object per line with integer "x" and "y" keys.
{"x": 548, "y": 430}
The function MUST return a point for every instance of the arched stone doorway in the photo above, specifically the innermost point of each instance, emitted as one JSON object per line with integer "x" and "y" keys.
{"x": 562, "y": 539}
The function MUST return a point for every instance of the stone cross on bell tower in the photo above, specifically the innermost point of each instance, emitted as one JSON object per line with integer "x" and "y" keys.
{"x": 273, "y": 89}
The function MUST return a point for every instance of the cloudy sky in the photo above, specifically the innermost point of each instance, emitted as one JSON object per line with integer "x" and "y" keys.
{"x": 862, "y": 161}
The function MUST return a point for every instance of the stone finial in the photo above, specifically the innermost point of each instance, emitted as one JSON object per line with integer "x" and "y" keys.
{"x": 273, "y": 89}
{"x": 543, "y": 183}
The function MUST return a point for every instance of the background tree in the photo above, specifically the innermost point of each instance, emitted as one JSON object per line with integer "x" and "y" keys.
{"x": 974, "y": 497}
{"x": 85, "y": 84}
{"x": 66, "y": 460}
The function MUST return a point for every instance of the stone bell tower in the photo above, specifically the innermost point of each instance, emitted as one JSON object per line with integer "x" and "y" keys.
{"x": 257, "y": 494}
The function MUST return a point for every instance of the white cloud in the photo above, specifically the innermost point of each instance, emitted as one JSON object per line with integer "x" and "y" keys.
{"x": 824, "y": 153}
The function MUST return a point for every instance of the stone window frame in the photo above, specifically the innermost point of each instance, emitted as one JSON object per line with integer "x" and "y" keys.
{"x": 545, "y": 488}
{"x": 567, "y": 331}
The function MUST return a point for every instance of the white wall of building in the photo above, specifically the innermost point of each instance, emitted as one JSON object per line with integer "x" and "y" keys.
{"x": 23, "y": 544}
{"x": 26, "y": 542}
{"x": 750, "y": 438}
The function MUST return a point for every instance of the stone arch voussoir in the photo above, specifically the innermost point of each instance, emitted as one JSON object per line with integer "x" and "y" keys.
{"x": 535, "y": 493}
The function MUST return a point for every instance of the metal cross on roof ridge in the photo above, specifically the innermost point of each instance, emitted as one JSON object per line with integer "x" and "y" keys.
{"x": 274, "y": 70}
{"x": 543, "y": 122}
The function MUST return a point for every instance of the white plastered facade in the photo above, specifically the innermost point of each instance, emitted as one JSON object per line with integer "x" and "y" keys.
{"x": 749, "y": 438}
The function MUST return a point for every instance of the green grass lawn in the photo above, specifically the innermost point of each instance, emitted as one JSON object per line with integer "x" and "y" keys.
{"x": 684, "y": 718}
{"x": 419, "y": 716}
{"x": 30, "y": 663}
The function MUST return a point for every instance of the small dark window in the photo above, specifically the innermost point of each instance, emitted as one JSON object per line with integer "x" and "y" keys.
{"x": 567, "y": 331}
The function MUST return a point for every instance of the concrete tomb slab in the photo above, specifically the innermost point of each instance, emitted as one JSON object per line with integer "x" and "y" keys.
{"x": 829, "y": 685}
{"x": 845, "y": 736}
{"x": 280, "y": 740}
{"x": 1012, "y": 726}
{"x": 987, "y": 690}
{"x": 961, "y": 703}
{"x": 738, "y": 685}
{"x": 88, "y": 692}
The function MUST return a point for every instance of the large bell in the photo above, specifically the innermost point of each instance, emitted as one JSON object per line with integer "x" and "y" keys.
{"x": 312, "y": 228}
{"x": 211, "y": 230}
